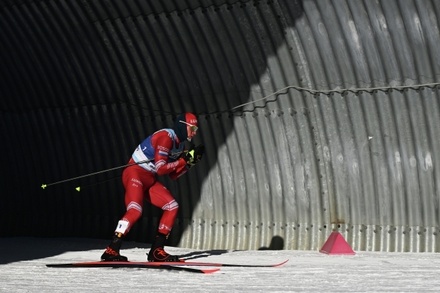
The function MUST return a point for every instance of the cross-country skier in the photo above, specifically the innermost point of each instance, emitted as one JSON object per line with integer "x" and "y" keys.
{"x": 163, "y": 154}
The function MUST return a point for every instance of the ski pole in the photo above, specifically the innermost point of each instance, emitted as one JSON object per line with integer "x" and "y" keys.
{"x": 44, "y": 185}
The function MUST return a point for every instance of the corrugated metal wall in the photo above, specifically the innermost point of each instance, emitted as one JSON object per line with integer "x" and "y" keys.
{"x": 317, "y": 116}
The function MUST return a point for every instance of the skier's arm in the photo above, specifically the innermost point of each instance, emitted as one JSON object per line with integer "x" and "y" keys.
{"x": 192, "y": 157}
{"x": 163, "y": 144}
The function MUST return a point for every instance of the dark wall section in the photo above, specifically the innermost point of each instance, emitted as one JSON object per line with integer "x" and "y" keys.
{"x": 82, "y": 82}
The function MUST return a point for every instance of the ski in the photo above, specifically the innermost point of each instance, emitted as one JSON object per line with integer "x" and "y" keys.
{"x": 128, "y": 264}
{"x": 236, "y": 265}
{"x": 178, "y": 264}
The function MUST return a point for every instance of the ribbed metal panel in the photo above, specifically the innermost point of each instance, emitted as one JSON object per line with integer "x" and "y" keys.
{"x": 316, "y": 115}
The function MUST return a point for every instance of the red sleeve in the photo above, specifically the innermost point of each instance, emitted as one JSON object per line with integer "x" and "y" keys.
{"x": 179, "y": 172}
{"x": 162, "y": 143}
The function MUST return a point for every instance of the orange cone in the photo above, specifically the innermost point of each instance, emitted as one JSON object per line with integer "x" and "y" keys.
{"x": 336, "y": 244}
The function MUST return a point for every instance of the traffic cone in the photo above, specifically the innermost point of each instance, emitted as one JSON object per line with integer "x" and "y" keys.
{"x": 336, "y": 244}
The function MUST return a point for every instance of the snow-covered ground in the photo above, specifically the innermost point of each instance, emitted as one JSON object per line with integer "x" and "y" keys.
{"x": 23, "y": 260}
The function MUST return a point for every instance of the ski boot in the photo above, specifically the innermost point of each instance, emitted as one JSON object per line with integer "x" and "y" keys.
{"x": 111, "y": 253}
{"x": 157, "y": 253}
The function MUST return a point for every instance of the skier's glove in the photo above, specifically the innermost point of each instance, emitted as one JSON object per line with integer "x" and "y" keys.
{"x": 194, "y": 155}
{"x": 198, "y": 153}
{"x": 188, "y": 156}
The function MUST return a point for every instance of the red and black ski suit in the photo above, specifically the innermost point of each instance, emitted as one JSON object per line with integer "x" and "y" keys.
{"x": 160, "y": 153}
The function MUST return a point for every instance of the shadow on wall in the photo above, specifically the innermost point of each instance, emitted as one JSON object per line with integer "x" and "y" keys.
{"x": 277, "y": 243}
{"x": 235, "y": 69}
{"x": 117, "y": 74}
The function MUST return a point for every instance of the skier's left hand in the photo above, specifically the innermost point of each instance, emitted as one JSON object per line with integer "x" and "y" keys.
{"x": 194, "y": 155}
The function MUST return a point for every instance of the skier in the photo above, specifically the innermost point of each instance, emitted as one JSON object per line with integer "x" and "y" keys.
{"x": 161, "y": 153}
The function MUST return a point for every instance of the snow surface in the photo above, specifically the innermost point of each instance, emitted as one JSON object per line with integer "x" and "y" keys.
{"x": 22, "y": 269}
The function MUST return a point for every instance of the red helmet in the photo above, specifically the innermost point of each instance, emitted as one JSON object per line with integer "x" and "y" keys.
{"x": 191, "y": 119}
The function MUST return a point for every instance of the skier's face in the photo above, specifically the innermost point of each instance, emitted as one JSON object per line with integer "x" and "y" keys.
{"x": 191, "y": 125}
{"x": 191, "y": 129}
